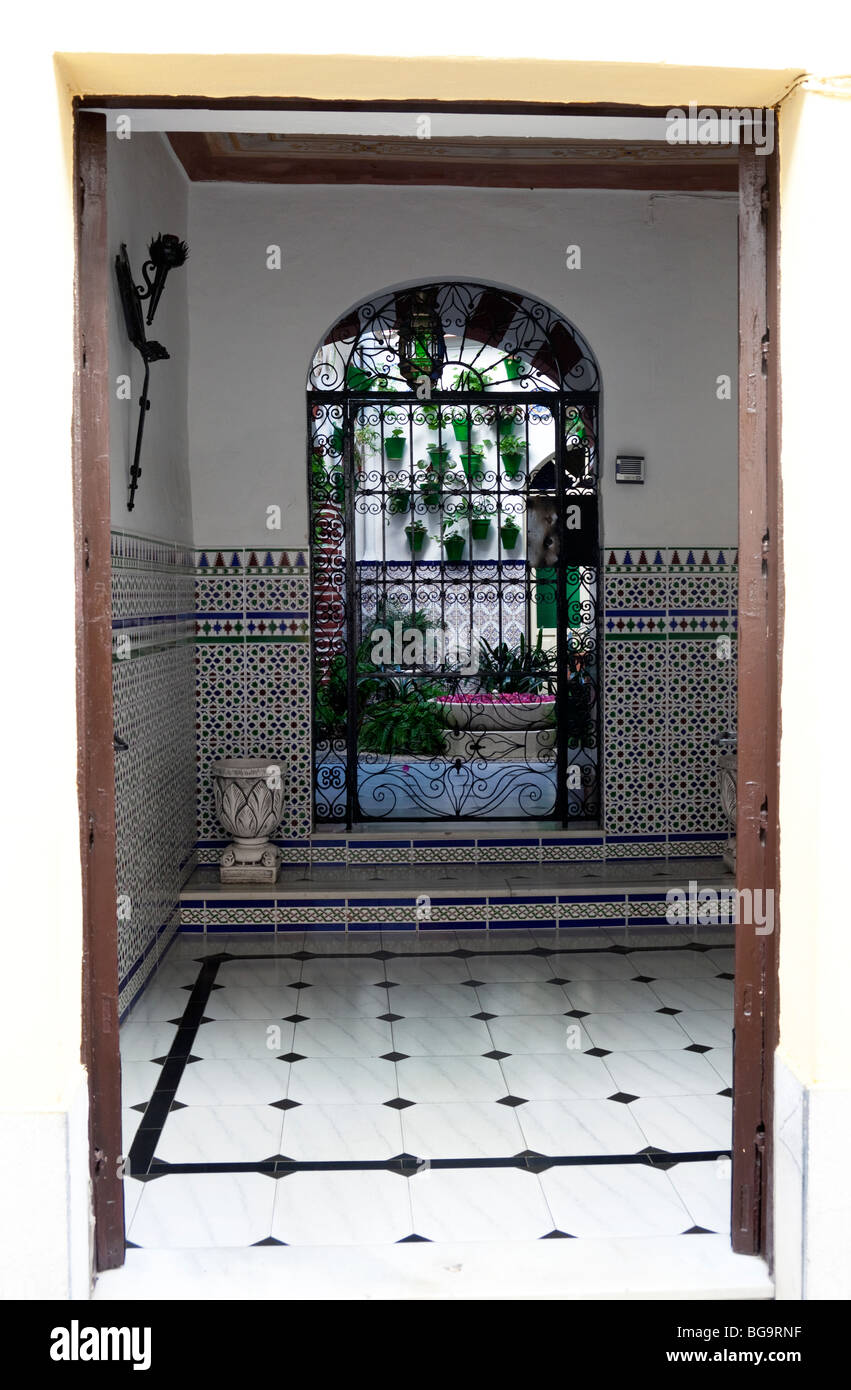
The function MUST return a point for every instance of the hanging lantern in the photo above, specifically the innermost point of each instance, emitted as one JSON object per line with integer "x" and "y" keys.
{"x": 422, "y": 350}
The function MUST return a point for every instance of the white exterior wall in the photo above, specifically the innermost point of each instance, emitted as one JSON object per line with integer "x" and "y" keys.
{"x": 46, "y": 1245}
{"x": 655, "y": 299}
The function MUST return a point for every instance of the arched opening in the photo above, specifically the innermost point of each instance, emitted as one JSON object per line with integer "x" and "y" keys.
{"x": 453, "y": 435}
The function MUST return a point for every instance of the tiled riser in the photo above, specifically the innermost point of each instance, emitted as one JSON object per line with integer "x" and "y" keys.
{"x": 154, "y": 714}
{"x": 405, "y": 914}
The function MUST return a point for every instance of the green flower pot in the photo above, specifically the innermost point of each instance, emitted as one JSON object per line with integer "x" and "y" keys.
{"x": 509, "y": 534}
{"x": 513, "y": 367}
{"x": 480, "y": 528}
{"x": 507, "y": 427}
{"x": 430, "y": 493}
{"x": 337, "y": 440}
{"x": 394, "y": 446}
{"x": 511, "y": 464}
{"x": 416, "y": 538}
{"x": 439, "y": 454}
{"x": 473, "y": 467}
{"x": 462, "y": 430}
{"x": 400, "y": 501}
{"x": 454, "y": 547}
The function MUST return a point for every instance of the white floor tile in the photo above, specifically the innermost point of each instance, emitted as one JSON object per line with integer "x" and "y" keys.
{"x": 238, "y": 1002}
{"x": 258, "y": 974}
{"x": 500, "y": 939}
{"x": 481, "y": 1204}
{"x": 450, "y": 1079}
{"x": 221, "y": 1134}
{"x": 535, "y": 1033}
{"x": 704, "y": 1189}
{"x": 412, "y": 943}
{"x": 495, "y": 969}
{"x": 462, "y": 1130}
{"x": 423, "y": 1001}
{"x": 570, "y": 939}
{"x": 342, "y": 1133}
{"x": 140, "y": 1041}
{"x": 330, "y": 1001}
{"x": 344, "y": 1037}
{"x": 250, "y": 1039}
{"x": 595, "y": 966}
{"x": 611, "y": 996}
{"x": 350, "y": 973}
{"x": 614, "y": 1200}
{"x": 159, "y": 1002}
{"x": 138, "y": 1080}
{"x": 694, "y": 994}
{"x": 672, "y": 965}
{"x": 341, "y": 1209}
{"x": 721, "y": 1058}
{"x": 635, "y": 1032}
{"x": 685, "y": 1124}
{"x": 204, "y": 1209}
{"x": 521, "y": 998}
{"x": 236, "y": 1081}
{"x": 342, "y": 1081}
{"x": 724, "y": 957}
{"x": 663, "y": 1073}
{"x": 442, "y": 1037}
{"x": 562, "y": 1128}
{"x": 439, "y": 970}
{"x": 709, "y": 1027}
{"x": 570, "y": 1076}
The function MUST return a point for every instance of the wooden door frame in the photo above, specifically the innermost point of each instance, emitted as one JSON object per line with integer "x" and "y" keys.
{"x": 95, "y": 774}
{"x": 760, "y": 636}
{"x": 760, "y": 606}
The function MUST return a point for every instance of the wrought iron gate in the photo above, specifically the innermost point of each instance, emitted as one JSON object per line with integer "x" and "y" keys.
{"x": 455, "y": 594}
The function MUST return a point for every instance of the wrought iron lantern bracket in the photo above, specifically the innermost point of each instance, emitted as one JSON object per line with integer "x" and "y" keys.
{"x": 166, "y": 253}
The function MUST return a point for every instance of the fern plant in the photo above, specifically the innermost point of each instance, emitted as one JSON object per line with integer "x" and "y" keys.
{"x": 520, "y": 670}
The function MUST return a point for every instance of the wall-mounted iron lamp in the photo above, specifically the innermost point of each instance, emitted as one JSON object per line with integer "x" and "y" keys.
{"x": 166, "y": 253}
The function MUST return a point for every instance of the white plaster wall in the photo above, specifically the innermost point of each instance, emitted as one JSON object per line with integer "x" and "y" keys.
{"x": 147, "y": 194}
{"x": 655, "y": 298}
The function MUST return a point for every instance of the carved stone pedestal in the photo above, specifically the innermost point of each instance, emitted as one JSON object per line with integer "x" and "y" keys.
{"x": 249, "y": 797}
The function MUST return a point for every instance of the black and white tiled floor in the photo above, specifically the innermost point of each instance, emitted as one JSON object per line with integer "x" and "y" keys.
{"x": 360, "y": 1089}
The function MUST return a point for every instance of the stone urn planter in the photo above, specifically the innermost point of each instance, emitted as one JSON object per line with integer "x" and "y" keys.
{"x": 727, "y": 764}
{"x": 495, "y": 727}
{"x": 249, "y": 798}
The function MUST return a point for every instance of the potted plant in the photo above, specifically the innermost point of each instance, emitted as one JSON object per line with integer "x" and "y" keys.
{"x": 452, "y": 540}
{"x": 473, "y": 460}
{"x": 394, "y": 444}
{"x": 480, "y": 520}
{"x": 416, "y": 534}
{"x": 432, "y": 475}
{"x": 513, "y": 366}
{"x": 513, "y": 452}
{"x": 507, "y": 418}
{"x": 438, "y": 455}
{"x": 509, "y": 531}
{"x": 435, "y": 419}
{"x": 461, "y": 426}
{"x": 399, "y": 500}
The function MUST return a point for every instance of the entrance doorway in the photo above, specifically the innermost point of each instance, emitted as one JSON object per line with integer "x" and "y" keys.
{"x": 453, "y": 438}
